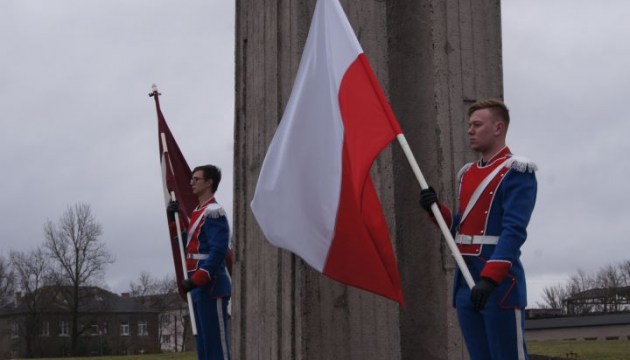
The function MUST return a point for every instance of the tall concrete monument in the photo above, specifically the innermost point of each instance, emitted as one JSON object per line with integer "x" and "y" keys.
{"x": 433, "y": 59}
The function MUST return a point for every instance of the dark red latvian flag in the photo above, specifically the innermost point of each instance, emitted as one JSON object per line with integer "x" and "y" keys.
{"x": 176, "y": 176}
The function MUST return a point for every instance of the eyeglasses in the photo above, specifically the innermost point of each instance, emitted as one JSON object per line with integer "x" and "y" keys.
{"x": 195, "y": 179}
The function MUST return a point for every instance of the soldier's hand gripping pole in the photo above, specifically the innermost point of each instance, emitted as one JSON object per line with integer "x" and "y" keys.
{"x": 436, "y": 212}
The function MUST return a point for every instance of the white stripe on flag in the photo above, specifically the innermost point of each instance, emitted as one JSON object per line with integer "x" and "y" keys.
{"x": 297, "y": 194}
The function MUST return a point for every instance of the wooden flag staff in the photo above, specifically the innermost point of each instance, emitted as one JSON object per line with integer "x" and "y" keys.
{"x": 448, "y": 237}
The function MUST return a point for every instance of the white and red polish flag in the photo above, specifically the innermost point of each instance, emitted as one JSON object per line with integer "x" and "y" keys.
{"x": 314, "y": 196}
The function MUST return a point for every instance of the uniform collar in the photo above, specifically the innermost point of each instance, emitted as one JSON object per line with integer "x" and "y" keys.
{"x": 504, "y": 152}
{"x": 208, "y": 202}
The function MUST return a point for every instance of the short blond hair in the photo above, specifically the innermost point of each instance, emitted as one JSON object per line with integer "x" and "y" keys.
{"x": 496, "y": 106}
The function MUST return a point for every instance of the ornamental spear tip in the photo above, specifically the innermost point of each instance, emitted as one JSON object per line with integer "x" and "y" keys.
{"x": 154, "y": 90}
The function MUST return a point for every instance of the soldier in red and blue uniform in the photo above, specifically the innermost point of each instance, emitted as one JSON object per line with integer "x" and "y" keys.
{"x": 496, "y": 198}
{"x": 208, "y": 280}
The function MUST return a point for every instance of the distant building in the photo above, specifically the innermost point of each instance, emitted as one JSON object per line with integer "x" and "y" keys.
{"x": 599, "y": 300}
{"x": 593, "y": 314}
{"x": 39, "y": 325}
{"x": 610, "y": 326}
{"x": 174, "y": 324}
{"x": 543, "y": 313}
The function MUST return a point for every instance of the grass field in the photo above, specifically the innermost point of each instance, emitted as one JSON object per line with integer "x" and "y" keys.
{"x": 584, "y": 350}
{"x": 168, "y": 356}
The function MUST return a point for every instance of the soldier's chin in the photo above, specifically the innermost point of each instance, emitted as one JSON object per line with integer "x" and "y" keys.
{"x": 477, "y": 148}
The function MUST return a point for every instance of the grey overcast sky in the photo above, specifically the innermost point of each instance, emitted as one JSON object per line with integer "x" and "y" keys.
{"x": 77, "y": 124}
{"x": 566, "y": 77}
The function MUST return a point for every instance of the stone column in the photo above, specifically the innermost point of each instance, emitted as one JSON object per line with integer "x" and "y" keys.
{"x": 432, "y": 58}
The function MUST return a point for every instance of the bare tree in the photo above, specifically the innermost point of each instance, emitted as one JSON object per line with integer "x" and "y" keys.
{"x": 624, "y": 273}
{"x": 554, "y": 297}
{"x": 33, "y": 273}
{"x": 162, "y": 295}
{"x": 79, "y": 255}
{"x": 146, "y": 285}
{"x": 608, "y": 290}
{"x": 561, "y": 296}
{"x": 609, "y": 277}
{"x": 578, "y": 284}
{"x": 613, "y": 282}
{"x": 7, "y": 282}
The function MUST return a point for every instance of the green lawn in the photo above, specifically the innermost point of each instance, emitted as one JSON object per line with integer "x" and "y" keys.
{"x": 168, "y": 356}
{"x": 585, "y": 350}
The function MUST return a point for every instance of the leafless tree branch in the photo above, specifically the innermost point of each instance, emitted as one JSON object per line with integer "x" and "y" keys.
{"x": 74, "y": 245}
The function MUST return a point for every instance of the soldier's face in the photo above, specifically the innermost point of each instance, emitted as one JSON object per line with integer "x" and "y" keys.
{"x": 198, "y": 184}
{"x": 483, "y": 131}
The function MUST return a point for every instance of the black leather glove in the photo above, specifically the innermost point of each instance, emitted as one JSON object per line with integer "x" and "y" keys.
{"x": 188, "y": 285}
{"x": 481, "y": 292}
{"x": 427, "y": 198}
{"x": 171, "y": 209}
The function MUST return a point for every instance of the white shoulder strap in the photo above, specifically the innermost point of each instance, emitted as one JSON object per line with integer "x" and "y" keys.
{"x": 213, "y": 211}
{"x": 482, "y": 186}
{"x": 193, "y": 227}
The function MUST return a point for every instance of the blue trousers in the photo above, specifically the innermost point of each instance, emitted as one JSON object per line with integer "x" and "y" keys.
{"x": 493, "y": 333}
{"x": 212, "y": 326}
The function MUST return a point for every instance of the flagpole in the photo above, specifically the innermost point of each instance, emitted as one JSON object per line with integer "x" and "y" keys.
{"x": 436, "y": 212}
{"x": 416, "y": 170}
{"x": 178, "y": 227}
{"x": 180, "y": 241}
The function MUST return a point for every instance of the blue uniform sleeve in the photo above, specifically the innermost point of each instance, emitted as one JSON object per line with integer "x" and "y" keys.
{"x": 518, "y": 197}
{"x": 217, "y": 233}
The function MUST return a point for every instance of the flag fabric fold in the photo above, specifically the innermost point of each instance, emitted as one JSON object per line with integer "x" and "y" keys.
{"x": 176, "y": 176}
{"x": 314, "y": 195}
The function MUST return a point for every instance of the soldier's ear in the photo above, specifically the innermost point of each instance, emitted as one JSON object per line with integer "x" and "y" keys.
{"x": 499, "y": 127}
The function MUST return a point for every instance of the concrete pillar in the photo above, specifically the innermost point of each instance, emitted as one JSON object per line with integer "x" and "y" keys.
{"x": 433, "y": 58}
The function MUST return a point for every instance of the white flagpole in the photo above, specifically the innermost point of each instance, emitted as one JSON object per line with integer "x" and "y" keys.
{"x": 436, "y": 212}
{"x": 191, "y": 311}
{"x": 180, "y": 241}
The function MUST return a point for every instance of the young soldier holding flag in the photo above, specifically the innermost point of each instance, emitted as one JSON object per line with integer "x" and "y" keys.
{"x": 200, "y": 267}
{"x": 206, "y": 250}
{"x": 496, "y": 198}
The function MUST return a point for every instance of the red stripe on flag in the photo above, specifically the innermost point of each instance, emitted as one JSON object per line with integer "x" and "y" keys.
{"x": 361, "y": 253}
